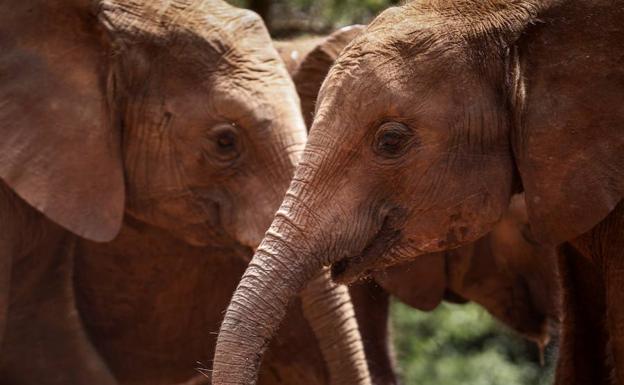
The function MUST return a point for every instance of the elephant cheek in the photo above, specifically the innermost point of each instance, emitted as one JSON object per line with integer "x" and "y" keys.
{"x": 459, "y": 224}
{"x": 252, "y": 210}
{"x": 194, "y": 223}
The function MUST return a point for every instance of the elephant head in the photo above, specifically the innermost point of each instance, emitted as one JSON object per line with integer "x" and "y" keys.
{"x": 507, "y": 271}
{"x": 176, "y": 114}
{"x": 426, "y": 124}
{"x": 180, "y": 116}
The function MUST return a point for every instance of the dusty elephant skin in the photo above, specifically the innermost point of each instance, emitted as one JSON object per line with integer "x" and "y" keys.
{"x": 43, "y": 333}
{"x": 167, "y": 126}
{"x": 507, "y": 272}
{"x": 425, "y": 126}
{"x": 513, "y": 277}
{"x": 153, "y": 304}
{"x": 332, "y": 313}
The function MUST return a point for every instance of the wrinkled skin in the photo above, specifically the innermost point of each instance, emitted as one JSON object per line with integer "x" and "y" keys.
{"x": 175, "y": 123}
{"x": 507, "y": 271}
{"x": 153, "y": 303}
{"x": 426, "y": 125}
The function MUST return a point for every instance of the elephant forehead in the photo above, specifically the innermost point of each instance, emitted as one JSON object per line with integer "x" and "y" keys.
{"x": 390, "y": 68}
{"x": 215, "y": 24}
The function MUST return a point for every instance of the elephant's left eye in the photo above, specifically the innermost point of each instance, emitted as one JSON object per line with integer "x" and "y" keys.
{"x": 391, "y": 139}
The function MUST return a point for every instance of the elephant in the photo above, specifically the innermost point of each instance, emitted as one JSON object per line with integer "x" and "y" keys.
{"x": 426, "y": 125}
{"x": 507, "y": 272}
{"x": 128, "y": 125}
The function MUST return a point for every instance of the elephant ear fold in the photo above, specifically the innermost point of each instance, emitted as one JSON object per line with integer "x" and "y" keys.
{"x": 313, "y": 68}
{"x": 58, "y": 150}
{"x": 569, "y": 137}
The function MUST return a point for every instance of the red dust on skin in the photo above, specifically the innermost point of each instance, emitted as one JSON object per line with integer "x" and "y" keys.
{"x": 173, "y": 118}
{"x": 473, "y": 81}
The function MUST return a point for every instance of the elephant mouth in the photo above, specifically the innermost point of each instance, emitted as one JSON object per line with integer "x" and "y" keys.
{"x": 370, "y": 259}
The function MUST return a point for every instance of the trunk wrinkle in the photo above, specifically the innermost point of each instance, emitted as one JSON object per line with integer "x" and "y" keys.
{"x": 281, "y": 266}
{"x": 328, "y": 308}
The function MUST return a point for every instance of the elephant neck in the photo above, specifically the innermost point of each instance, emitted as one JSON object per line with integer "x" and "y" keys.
{"x": 152, "y": 300}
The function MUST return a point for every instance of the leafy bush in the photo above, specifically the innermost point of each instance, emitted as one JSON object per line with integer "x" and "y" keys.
{"x": 462, "y": 344}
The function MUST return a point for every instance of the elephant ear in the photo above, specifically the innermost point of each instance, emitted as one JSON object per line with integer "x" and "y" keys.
{"x": 58, "y": 150}
{"x": 293, "y": 52}
{"x": 569, "y": 137}
{"x": 420, "y": 283}
{"x": 313, "y": 68}
{"x": 474, "y": 272}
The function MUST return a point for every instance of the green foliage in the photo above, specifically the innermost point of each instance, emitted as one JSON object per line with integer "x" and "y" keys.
{"x": 341, "y": 12}
{"x": 462, "y": 344}
{"x": 314, "y": 16}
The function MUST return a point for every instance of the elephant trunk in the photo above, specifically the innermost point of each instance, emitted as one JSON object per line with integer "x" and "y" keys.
{"x": 329, "y": 309}
{"x": 283, "y": 264}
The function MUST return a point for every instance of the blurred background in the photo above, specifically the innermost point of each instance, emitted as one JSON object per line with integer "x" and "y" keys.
{"x": 454, "y": 344}
{"x": 464, "y": 345}
{"x": 288, "y": 18}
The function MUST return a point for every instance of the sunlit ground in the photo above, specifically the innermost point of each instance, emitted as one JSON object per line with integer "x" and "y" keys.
{"x": 464, "y": 345}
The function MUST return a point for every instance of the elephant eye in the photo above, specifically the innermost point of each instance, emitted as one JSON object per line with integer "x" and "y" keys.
{"x": 391, "y": 139}
{"x": 226, "y": 142}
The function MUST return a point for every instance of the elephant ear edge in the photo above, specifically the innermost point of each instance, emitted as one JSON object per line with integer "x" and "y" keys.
{"x": 569, "y": 135}
{"x": 420, "y": 283}
{"x": 314, "y": 67}
{"x": 59, "y": 151}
